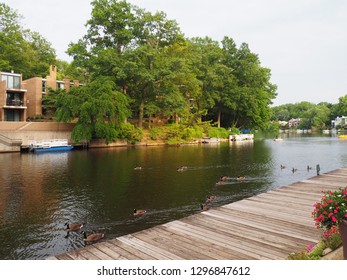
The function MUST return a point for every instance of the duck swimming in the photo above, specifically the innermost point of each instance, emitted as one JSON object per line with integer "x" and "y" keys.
{"x": 240, "y": 178}
{"x": 73, "y": 227}
{"x": 182, "y": 168}
{"x": 138, "y": 213}
{"x": 92, "y": 237}
{"x": 204, "y": 207}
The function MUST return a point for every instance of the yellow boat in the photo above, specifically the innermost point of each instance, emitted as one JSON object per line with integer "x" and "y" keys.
{"x": 342, "y": 136}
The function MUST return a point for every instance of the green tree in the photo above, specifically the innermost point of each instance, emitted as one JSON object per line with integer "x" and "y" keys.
{"x": 254, "y": 91}
{"x": 21, "y": 50}
{"x": 215, "y": 75}
{"x": 341, "y": 107}
{"x": 98, "y": 108}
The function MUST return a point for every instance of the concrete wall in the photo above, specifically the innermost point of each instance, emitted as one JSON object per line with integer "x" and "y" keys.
{"x": 9, "y": 149}
{"x": 35, "y": 131}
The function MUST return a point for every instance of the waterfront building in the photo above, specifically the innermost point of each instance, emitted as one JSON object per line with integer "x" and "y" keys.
{"x": 12, "y": 97}
{"x": 339, "y": 121}
{"x": 20, "y": 100}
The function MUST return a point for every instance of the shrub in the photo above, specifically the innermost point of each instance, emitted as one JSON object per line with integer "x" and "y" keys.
{"x": 156, "y": 133}
{"x": 218, "y": 132}
{"x": 332, "y": 238}
{"x": 128, "y": 132}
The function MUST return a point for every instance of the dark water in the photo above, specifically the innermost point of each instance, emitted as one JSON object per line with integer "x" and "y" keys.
{"x": 40, "y": 193}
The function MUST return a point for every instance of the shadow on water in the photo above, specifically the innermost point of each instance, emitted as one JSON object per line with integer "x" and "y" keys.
{"x": 40, "y": 193}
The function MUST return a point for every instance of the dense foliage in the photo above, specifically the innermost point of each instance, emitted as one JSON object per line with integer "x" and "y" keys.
{"x": 317, "y": 116}
{"x": 22, "y": 50}
{"x": 168, "y": 75}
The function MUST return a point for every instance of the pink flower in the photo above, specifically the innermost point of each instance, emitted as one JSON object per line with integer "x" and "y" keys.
{"x": 334, "y": 219}
{"x": 309, "y": 248}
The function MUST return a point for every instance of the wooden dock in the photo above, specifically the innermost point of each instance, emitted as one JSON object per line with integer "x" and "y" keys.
{"x": 268, "y": 226}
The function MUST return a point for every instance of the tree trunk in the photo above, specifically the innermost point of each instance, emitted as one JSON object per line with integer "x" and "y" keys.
{"x": 219, "y": 117}
{"x": 176, "y": 118}
{"x": 142, "y": 106}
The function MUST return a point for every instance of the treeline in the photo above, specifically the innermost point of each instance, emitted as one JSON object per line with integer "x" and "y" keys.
{"x": 139, "y": 65}
{"x": 313, "y": 116}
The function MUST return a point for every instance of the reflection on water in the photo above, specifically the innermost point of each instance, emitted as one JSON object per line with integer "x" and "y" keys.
{"x": 40, "y": 193}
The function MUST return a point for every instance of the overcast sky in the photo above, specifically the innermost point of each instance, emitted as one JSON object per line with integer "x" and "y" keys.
{"x": 303, "y": 42}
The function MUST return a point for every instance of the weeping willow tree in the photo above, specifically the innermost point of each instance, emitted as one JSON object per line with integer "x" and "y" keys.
{"x": 97, "y": 107}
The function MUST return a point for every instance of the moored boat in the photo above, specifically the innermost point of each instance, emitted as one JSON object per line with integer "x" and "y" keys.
{"x": 50, "y": 145}
{"x": 241, "y": 137}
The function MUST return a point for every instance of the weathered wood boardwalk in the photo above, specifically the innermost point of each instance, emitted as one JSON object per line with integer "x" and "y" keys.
{"x": 267, "y": 226}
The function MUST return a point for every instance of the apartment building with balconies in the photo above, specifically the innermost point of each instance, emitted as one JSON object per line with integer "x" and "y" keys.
{"x": 38, "y": 87}
{"x": 22, "y": 99}
{"x": 12, "y": 97}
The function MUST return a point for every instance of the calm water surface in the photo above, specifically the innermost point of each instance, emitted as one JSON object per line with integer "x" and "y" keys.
{"x": 40, "y": 193}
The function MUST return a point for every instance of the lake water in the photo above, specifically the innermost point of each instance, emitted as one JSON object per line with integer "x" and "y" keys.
{"x": 40, "y": 193}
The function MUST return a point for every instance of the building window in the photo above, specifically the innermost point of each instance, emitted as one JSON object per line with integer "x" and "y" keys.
{"x": 11, "y": 81}
{"x": 60, "y": 85}
{"x": 44, "y": 86}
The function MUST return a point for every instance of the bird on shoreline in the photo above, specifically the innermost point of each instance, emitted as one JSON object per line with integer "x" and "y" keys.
{"x": 211, "y": 198}
{"x": 204, "y": 207}
{"x": 137, "y": 168}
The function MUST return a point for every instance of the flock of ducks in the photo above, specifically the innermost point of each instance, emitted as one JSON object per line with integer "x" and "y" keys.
{"x": 295, "y": 169}
{"x": 225, "y": 179}
{"x": 93, "y": 237}
{"x": 96, "y": 236}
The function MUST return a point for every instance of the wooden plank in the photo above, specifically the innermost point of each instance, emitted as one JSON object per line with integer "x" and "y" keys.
{"x": 279, "y": 197}
{"x": 260, "y": 222}
{"x": 75, "y": 255}
{"x": 201, "y": 247}
{"x": 129, "y": 252}
{"x": 301, "y": 193}
{"x": 166, "y": 242}
{"x": 215, "y": 240}
{"x": 328, "y": 184}
{"x": 270, "y": 201}
{"x": 87, "y": 254}
{"x": 109, "y": 251}
{"x": 292, "y": 195}
{"x": 148, "y": 248}
{"x": 254, "y": 249}
{"x": 264, "y": 238}
{"x": 64, "y": 257}
{"x": 298, "y": 213}
{"x": 300, "y": 221}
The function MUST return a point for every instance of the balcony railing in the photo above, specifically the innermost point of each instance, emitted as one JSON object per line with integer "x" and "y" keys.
{"x": 14, "y": 102}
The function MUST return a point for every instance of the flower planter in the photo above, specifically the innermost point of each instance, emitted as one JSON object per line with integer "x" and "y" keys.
{"x": 343, "y": 232}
